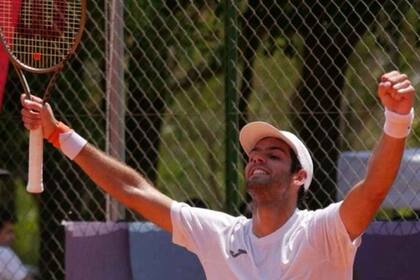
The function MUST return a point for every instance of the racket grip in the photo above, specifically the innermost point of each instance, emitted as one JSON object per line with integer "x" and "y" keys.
{"x": 36, "y": 147}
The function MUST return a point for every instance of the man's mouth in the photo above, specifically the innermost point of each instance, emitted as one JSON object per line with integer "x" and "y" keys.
{"x": 258, "y": 172}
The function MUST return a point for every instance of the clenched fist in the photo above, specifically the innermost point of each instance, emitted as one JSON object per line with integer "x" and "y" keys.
{"x": 396, "y": 92}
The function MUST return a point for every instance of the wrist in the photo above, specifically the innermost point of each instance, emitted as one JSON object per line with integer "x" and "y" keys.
{"x": 71, "y": 143}
{"x": 67, "y": 140}
{"x": 54, "y": 135}
{"x": 398, "y": 125}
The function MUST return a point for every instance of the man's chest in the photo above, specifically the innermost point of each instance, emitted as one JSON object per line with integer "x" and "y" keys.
{"x": 286, "y": 255}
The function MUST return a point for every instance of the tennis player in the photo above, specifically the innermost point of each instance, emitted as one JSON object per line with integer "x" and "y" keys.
{"x": 279, "y": 242}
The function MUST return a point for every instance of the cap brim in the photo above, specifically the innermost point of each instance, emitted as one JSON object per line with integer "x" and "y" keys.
{"x": 255, "y": 131}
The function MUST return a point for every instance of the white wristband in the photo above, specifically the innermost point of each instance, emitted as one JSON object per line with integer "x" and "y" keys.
{"x": 397, "y": 125}
{"x": 71, "y": 143}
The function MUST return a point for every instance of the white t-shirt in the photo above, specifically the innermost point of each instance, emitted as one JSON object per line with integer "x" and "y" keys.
{"x": 311, "y": 245}
{"x": 11, "y": 268}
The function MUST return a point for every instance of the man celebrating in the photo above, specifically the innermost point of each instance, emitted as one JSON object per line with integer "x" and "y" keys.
{"x": 279, "y": 242}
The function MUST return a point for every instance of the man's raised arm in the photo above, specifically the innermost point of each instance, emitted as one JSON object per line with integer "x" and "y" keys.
{"x": 120, "y": 181}
{"x": 364, "y": 199}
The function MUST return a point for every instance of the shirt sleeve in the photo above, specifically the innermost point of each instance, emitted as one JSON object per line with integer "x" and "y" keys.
{"x": 197, "y": 229}
{"x": 328, "y": 233}
{"x": 11, "y": 268}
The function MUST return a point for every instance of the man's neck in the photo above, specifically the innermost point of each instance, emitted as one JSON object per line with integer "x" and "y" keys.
{"x": 267, "y": 220}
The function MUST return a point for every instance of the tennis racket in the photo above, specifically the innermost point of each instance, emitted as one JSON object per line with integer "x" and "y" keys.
{"x": 39, "y": 36}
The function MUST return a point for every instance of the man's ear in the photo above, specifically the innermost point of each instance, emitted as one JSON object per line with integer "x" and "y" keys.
{"x": 299, "y": 177}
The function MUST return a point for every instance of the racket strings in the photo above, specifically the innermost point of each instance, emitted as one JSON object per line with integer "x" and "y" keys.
{"x": 40, "y": 33}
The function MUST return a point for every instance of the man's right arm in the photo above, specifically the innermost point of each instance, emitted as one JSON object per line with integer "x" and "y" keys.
{"x": 126, "y": 185}
{"x": 114, "y": 177}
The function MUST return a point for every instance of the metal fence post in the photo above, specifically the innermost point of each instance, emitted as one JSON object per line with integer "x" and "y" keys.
{"x": 231, "y": 105}
{"x": 115, "y": 109}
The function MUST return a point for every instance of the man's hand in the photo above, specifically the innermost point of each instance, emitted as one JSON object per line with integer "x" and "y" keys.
{"x": 35, "y": 113}
{"x": 396, "y": 92}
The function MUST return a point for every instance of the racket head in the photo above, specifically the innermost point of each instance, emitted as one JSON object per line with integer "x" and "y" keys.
{"x": 40, "y": 35}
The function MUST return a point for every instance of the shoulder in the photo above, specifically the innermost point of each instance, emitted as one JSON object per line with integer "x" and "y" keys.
{"x": 321, "y": 218}
{"x": 6, "y": 253}
{"x": 202, "y": 230}
{"x": 180, "y": 208}
{"x": 182, "y": 213}
{"x": 331, "y": 210}
{"x": 325, "y": 224}
{"x": 10, "y": 265}
{"x": 9, "y": 259}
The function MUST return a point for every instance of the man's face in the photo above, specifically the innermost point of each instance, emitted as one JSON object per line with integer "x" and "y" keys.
{"x": 7, "y": 234}
{"x": 267, "y": 172}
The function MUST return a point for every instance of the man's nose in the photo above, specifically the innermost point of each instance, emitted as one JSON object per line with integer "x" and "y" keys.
{"x": 257, "y": 158}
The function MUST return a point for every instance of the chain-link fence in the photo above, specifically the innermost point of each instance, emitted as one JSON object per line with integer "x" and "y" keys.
{"x": 163, "y": 86}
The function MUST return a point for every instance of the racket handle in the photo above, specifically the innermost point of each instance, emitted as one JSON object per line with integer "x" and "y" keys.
{"x": 36, "y": 147}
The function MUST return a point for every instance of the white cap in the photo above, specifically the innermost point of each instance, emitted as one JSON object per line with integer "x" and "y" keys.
{"x": 255, "y": 131}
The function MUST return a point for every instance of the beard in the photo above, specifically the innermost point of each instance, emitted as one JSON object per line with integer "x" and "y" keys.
{"x": 266, "y": 190}
{"x": 258, "y": 181}
{"x": 259, "y": 187}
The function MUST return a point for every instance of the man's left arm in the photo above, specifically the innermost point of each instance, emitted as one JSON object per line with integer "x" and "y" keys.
{"x": 363, "y": 200}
